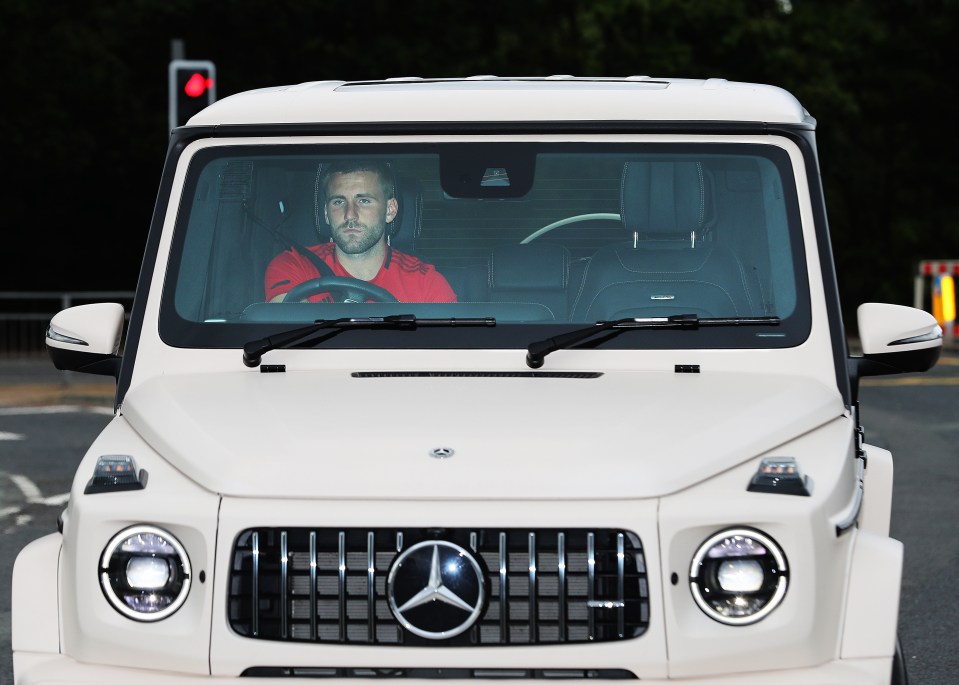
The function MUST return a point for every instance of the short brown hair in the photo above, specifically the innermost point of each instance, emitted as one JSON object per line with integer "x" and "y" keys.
{"x": 381, "y": 168}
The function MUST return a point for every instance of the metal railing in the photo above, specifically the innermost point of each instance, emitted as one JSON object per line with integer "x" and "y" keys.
{"x": 24, "y": 316}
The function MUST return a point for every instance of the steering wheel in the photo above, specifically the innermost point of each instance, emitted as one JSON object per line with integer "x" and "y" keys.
{"x": 349, "y": 289}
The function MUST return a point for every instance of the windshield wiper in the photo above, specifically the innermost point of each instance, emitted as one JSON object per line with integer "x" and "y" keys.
{"x": 254, "y": 350}
{"x": 537, "y": 351}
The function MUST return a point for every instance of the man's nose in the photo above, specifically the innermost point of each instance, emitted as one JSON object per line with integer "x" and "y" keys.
{"x": 351, "y": 212}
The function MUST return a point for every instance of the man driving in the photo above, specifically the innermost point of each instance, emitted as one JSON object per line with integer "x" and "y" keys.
{"x": 358, "y": 203}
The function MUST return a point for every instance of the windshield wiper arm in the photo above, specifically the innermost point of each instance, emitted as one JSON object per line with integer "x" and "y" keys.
{"x": 537, "y": 351}
{"x": 254, "y": 350}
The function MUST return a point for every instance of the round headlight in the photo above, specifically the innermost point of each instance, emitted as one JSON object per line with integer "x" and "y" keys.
{"x": 738, "y": 576}
{"x": 145, "y": 573}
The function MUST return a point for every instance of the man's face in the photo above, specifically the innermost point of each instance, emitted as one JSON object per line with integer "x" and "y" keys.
{"x": 357, "y": 210}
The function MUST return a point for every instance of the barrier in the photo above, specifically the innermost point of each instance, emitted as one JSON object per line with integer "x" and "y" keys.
{"x": 24, "y": 316}
{"x": 942, "y": 302}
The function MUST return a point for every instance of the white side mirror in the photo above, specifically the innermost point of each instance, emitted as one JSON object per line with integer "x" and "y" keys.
{"x": 86, "y": 338}
{"x": 891, "y": 328}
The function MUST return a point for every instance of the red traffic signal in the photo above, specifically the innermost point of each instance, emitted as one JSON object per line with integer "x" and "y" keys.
{"x": 192, "y": 87}
{"x": 197, "y": 85}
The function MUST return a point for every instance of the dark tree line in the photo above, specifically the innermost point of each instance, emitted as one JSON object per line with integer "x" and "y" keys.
{"x": 84, "y": 111}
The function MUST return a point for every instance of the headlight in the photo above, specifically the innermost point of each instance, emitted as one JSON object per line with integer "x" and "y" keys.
{"x": 738, "y": 576}
{"x": 145, "y": 573}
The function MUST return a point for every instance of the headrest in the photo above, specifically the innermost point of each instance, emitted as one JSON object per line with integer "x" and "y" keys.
{"x": 529, "y": 267}
{"x": 406, "y": 227}
{"x": 664, "y": 201}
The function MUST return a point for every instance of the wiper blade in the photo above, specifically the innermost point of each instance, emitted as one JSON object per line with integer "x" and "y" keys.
{"x": 537, "y": 351}
{"x": 254, "y": 350}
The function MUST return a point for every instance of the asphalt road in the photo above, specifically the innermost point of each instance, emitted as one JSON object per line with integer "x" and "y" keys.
{"x": 914, "y": 416}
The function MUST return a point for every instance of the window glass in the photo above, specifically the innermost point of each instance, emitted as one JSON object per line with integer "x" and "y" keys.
{"x": 540, "y": 236}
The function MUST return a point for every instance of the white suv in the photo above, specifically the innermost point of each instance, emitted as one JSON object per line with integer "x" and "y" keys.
{"x": 499, "y": 378}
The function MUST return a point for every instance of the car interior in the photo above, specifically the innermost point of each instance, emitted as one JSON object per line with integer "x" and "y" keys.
{"x": 582, "y": 235}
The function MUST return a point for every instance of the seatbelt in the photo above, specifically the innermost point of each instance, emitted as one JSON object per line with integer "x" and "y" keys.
{"x": 322, "y": 267}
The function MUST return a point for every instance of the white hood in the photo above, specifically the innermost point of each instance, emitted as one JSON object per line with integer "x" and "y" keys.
{"x": 326, "y": 434}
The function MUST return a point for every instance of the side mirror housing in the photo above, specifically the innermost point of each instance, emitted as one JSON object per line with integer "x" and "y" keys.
{"x": 894, "y": 339}
{"x": 86, "y": 338}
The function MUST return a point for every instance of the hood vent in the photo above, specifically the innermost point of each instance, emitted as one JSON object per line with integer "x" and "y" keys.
{"x": 477, "y": 374}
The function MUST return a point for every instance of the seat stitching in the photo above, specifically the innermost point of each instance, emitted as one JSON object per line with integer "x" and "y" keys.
{"x": 707, "y": 283}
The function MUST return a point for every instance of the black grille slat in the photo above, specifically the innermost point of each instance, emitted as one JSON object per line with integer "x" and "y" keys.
{"x": 543, "y": 586}
{"x": 313, "y": 599}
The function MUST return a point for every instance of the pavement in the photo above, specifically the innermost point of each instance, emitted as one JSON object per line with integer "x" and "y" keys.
{"x": 34, "y": 381}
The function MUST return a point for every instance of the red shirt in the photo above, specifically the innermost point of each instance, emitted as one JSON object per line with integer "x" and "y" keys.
{"x": 407, "y": 278}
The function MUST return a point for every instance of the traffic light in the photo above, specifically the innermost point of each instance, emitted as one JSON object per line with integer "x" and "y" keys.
{"x": 192, "y": 87}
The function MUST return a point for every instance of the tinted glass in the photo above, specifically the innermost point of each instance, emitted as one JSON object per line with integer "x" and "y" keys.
{"x": 542, "y": 237}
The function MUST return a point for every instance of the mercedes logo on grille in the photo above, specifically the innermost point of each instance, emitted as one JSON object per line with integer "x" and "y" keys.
{"x": 436, "y": 589}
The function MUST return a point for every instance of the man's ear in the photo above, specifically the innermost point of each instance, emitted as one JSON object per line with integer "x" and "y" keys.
{"x": 391, "y": 208}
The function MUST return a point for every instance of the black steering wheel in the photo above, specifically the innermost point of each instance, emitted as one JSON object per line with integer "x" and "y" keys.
{"x": 342, "y": 288}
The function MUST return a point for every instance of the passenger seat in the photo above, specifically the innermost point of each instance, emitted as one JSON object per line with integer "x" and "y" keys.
{"x": 670, "y": 264}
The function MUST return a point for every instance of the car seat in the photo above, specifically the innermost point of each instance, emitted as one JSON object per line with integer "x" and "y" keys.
{"x": 670, "y": 263}
{"x": 537, "y": 274}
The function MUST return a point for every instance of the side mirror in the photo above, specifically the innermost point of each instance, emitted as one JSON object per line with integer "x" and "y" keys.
{"x": 86, "y": 338}
{"x": 895, "y": 339}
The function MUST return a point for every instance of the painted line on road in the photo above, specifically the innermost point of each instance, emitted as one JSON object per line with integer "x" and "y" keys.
{"x": 33, "y": 495}
{"x": 11, "y": 436}
{"x": 29, "y": 489}
{"x": 892, "y": 382}
{"x": 56, "y": 409}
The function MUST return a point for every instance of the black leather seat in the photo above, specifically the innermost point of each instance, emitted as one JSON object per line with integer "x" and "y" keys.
{"x": 671, "y": 264}
{"x": 537, "y": 274}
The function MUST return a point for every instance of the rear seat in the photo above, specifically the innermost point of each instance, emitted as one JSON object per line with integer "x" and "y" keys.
{"x": 531, "y": 273}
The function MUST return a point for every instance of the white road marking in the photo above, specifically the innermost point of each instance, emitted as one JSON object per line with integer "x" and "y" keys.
{"x": 29, "y": 489}
{"x": 56, "y": 409}
{"x": 11, "y": 436}
{"x": 33, "y": 495}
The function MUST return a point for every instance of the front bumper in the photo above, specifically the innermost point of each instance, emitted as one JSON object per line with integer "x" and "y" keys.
{"x": 44, "y": 669}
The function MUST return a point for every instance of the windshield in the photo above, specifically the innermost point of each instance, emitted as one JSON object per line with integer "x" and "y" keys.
{"x": 542, "y": 237}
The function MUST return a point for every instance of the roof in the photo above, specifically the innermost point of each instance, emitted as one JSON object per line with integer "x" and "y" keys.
{"x": 514, "y": 99}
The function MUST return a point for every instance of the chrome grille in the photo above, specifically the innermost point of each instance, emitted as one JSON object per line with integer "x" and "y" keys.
{"x": 544, "y": 586}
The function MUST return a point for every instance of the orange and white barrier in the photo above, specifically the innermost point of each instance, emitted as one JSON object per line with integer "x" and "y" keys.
{"x": 943, "y": 273}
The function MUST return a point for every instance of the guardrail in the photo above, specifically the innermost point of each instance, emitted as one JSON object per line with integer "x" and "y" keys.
{"x": 24, "y": 316}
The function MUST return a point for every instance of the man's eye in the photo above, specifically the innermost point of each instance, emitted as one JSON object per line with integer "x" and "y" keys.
{"x": 336, "y": 203}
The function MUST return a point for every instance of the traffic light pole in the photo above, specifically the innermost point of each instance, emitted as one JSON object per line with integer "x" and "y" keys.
{"x": 191, "y": 85}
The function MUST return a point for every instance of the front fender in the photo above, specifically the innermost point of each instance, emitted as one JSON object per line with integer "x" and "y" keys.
{"x": 35, "y": 608}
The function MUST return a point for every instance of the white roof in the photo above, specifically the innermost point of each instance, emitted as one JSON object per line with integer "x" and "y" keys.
{"x": 516, "y": 99}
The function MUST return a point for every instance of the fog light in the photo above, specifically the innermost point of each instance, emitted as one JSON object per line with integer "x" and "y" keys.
{"x": 738, "y": 576}
{"x": 145, "y": 573}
